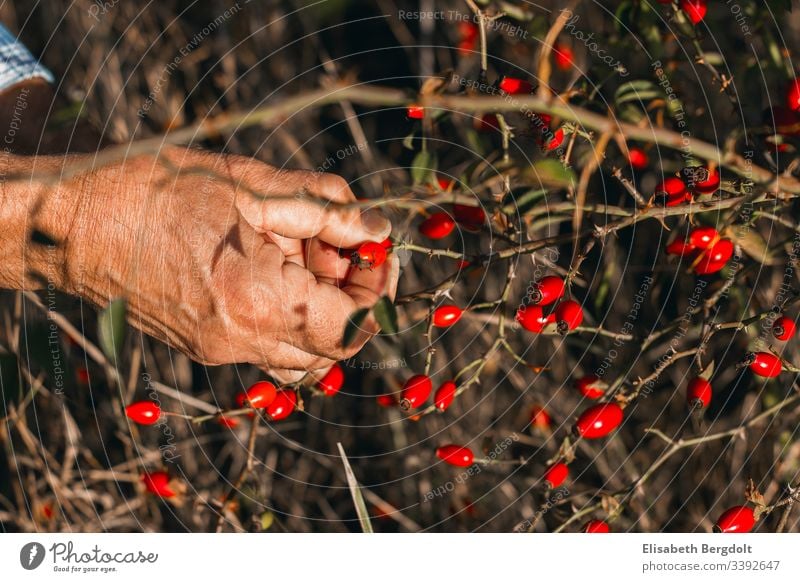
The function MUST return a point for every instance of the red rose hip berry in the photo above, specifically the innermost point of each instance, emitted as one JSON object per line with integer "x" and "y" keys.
{"x": 695, "y": 10}
{"x": 333, "y": 381}
{"x": 679, "y": 247}
{"x": 764, "y": 364}
{"x": 514, "y": 86}
{"x": 415, "y": 112}
{"x": 416, "y": 391}
{"x": 540, "y": 419}
{"x": 596, "y": 526}
{"x": 386, "y": 400}
{"x": 158, "y": 483}
{"x": 437, "y": 225}
{"x": 715, "y": 257}
{"x": 599, "y": 420}
{"x": 737, "y": 519}
{"x": 260, "y": 394}
{"x": 698, "y": 392}
{"x": 638, "y": 158}
{"x": 456, "y": 455}
{"x": 473, "y": 217}
{"x": 703, "y": 237}
{"x": 548, "y": 290}
{"x": 784, "y": 328}
{"x": 563, "y": 56}
{"x": 591, "y": 386}
{"x": 701, "y": 179}
{"x": 369, "y": 255}
{"x": 672, "y": 191}
{"x": 283, "y": 405}
{"x": 444, "y": 396}
{"x": 556, "y": 474}
{"x": 446, "y": 315}
{"x": 569, "y": 315}
{"x": 532, "y": 318}
{"x": 144, "y": 412}
{"x": 793, "y": 95}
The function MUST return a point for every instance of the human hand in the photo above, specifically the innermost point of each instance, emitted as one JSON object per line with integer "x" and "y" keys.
{"x": 220, "y": 258}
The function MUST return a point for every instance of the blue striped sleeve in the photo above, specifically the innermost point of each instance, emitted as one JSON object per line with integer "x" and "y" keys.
{"x": 17, "y": 63}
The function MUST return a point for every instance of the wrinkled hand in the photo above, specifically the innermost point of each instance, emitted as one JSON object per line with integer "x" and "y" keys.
{"x": 219, "y": 258}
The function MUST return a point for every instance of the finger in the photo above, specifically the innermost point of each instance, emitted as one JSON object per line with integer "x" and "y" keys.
{"x": 291, "y": 248}
{"x": 301, "y": 219}
{"x": 282, "y": 376}
{"x": 289, "y": 357}
{"x": 366, "y": 287}
{"x": 314, "y": 314}
{"x": 326, "y": 262}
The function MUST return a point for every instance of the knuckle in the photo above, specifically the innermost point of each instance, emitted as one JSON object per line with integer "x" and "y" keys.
{"x": 335, "y": 187}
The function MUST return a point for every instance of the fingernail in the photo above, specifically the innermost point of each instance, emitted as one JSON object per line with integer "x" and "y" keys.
{"x": 374, "y": 222}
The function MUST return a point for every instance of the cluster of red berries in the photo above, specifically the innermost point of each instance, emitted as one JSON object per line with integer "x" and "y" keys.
{"x": 441, "y": 223}
{"x": 277, "y": 404}
{"x": 567, "y": 315}
{"x": 693, "y": 181}
{"x": 767, "y": 364}
{"x": 706, "y": 249}
{"x": 417, "y": 390}
{"x": 548, "y": 138}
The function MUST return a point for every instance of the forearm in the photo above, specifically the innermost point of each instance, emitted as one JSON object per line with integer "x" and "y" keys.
{"x": 36, "y": 218}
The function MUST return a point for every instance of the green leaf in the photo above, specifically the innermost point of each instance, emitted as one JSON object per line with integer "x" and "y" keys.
{"x": 355, "y": 492}
{"x": 111, "y": 328}
{"x": 623, "y": 20}
{"x": 422, "y": 166}
{"x": 752, "y": 243}
{"x": 525, "y": 201}
{"x": 408, "y": 141}
{"x": 475, "y": 143}
{"x": 267, "y": 518}
{"x": 551, "y": 172}
{"x": 386, "y": 315}
{"x": 353, "y": 325}
{"x": 630, "y": 113}
{"x": 641, "y": 90}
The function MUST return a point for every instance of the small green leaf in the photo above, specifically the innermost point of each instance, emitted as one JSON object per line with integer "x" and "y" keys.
{"x": 526, "y": 201}
{"x": 641, "y": 90}
{"x": 386, "y": 315}
{"x": 551, "y": 172}
{"x": 408, "y": 141}
{"x": 353, "y": 325}
{"x": 422, "y": 166}
{"x": 355, "y": 492}
{"x": 111, "y": 328}
{"x": 267, "y": 518}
